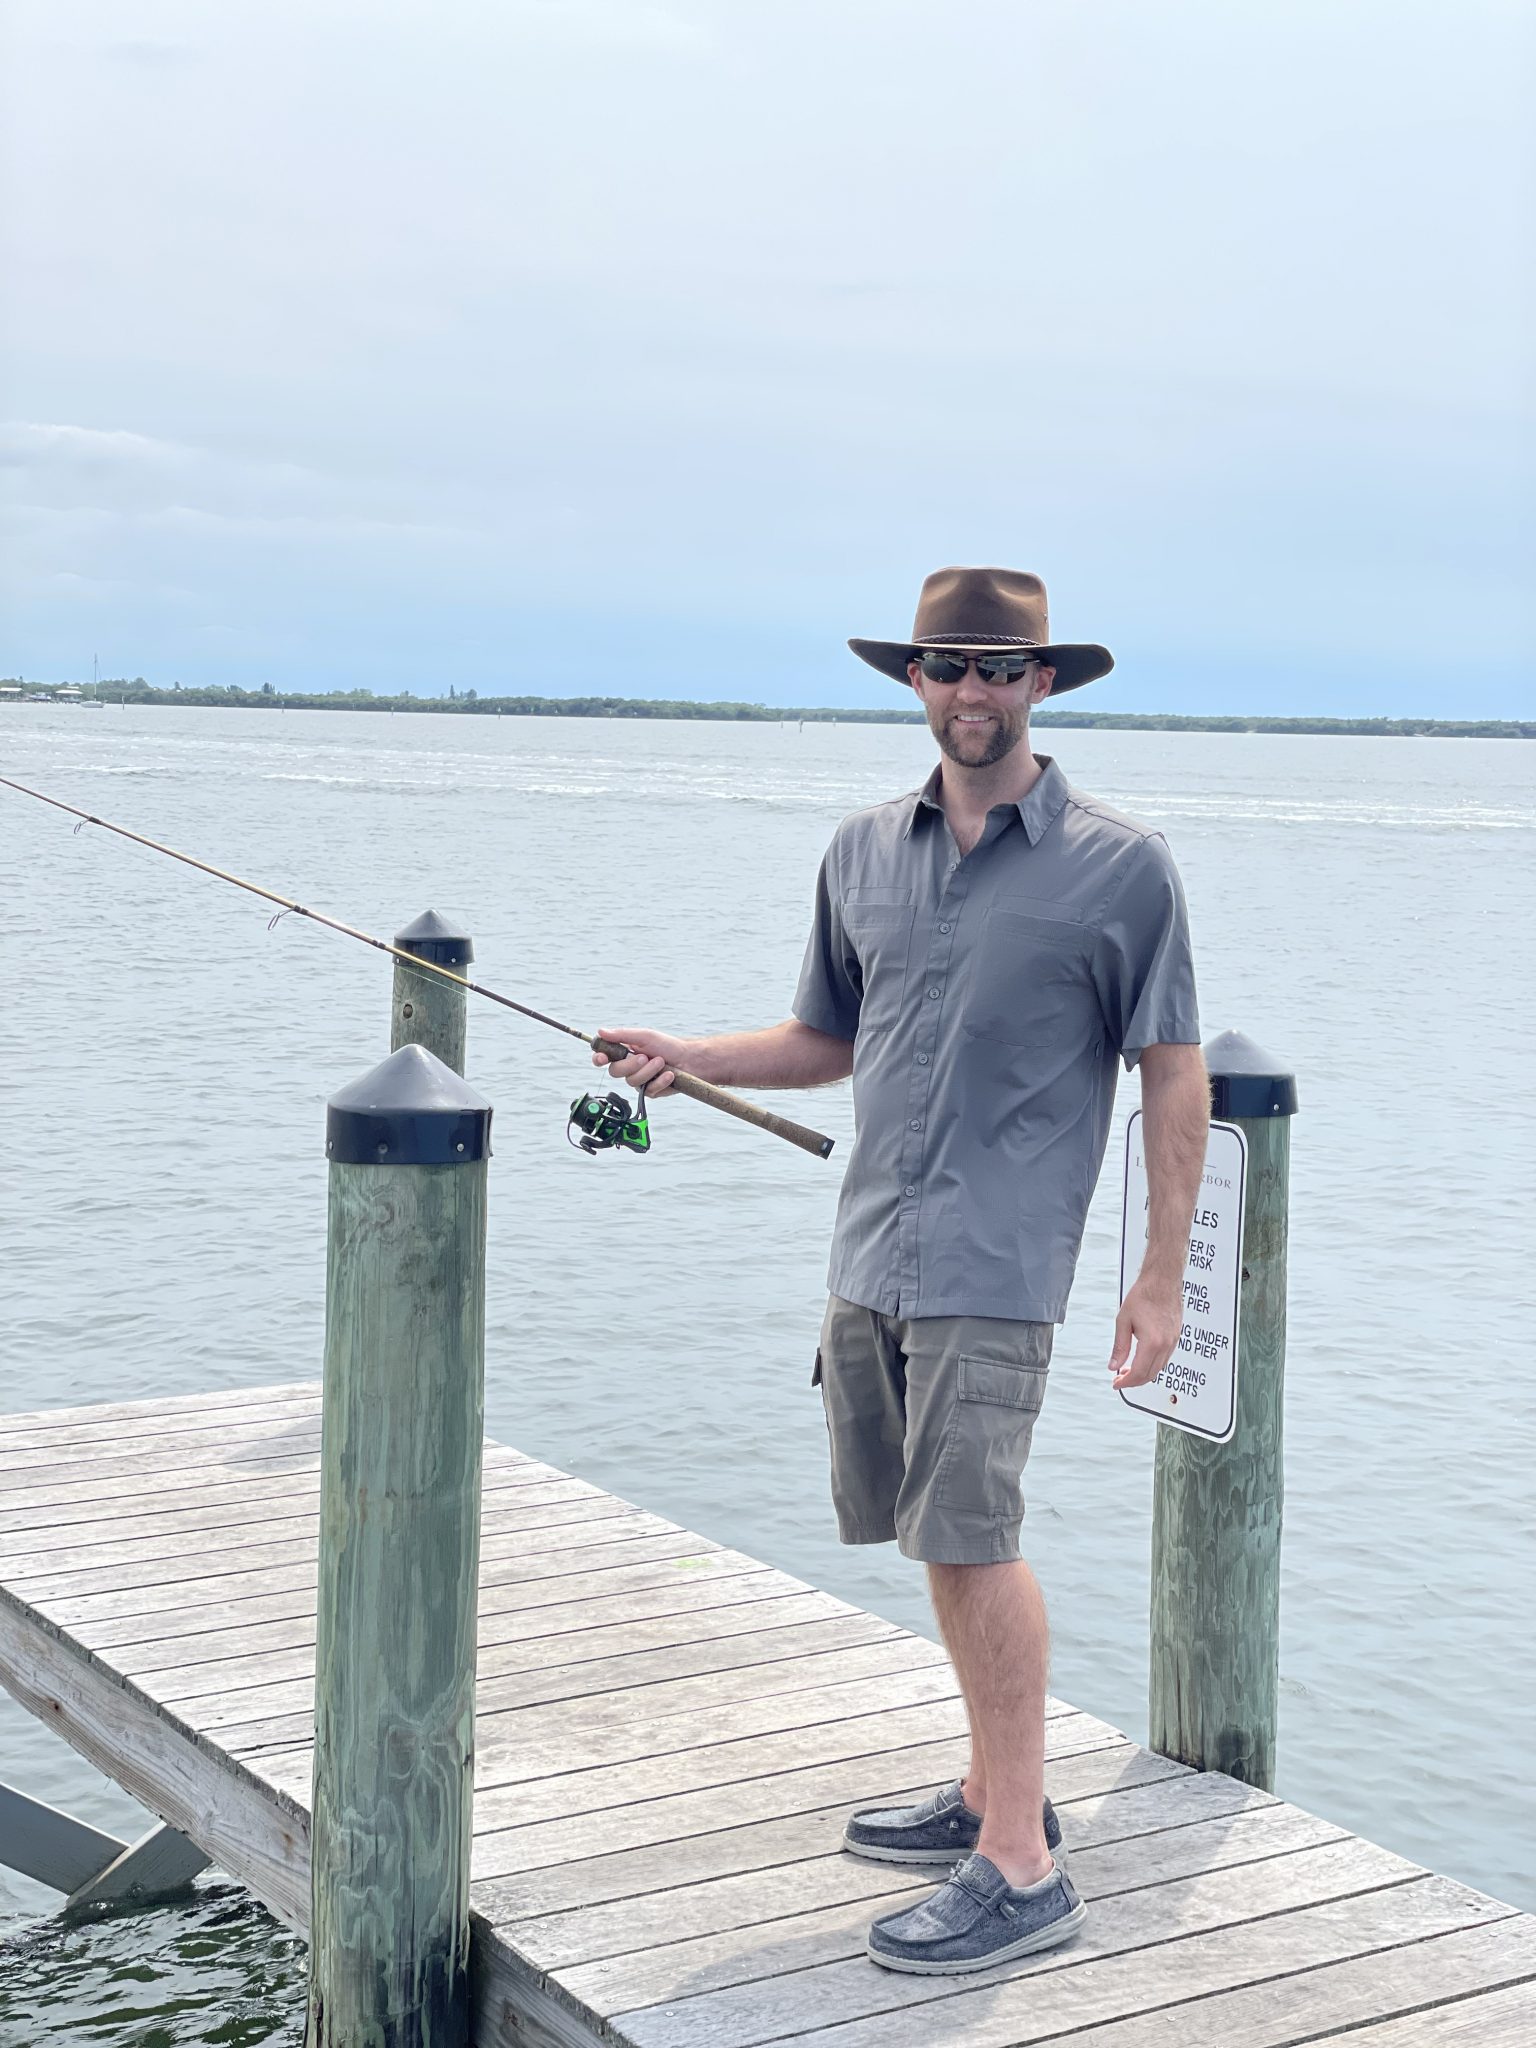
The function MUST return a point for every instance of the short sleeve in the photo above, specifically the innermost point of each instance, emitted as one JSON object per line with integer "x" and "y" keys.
{"x": 831, "y": 989}
{"x": 1142, "y": 965}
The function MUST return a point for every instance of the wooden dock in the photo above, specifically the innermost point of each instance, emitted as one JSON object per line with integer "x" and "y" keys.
{"x": 668, "y": 1736}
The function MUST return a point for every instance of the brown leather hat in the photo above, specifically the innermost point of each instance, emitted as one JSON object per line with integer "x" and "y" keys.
{"x": 986, "y": 611}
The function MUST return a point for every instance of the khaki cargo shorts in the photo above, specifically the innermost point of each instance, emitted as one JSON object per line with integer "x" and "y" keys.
{"x": 930, "y": 1420}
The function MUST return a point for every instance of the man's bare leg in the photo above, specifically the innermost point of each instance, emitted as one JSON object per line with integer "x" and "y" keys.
{"x": 973, "y": 1785}
{"x": 992, "y": 1619}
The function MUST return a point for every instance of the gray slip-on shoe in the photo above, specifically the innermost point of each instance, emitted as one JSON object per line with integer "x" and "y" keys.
{"x": 939, "y": 1830}
{"x": 977, "y": 1919}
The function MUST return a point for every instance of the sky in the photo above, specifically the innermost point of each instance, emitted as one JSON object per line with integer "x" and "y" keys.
{"x": 570, "y": 346}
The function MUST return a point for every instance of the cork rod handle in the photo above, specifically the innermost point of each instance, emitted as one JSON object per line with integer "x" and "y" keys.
{"x": 733, "y": 1105}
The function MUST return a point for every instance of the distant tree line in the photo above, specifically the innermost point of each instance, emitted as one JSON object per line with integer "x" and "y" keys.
{"x": 135, "y": 690}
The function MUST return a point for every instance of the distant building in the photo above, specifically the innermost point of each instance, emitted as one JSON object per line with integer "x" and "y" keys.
{"x": 11, "y": 693}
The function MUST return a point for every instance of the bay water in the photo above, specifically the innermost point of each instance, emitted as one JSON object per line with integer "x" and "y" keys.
{"x": 1362, "y": 907}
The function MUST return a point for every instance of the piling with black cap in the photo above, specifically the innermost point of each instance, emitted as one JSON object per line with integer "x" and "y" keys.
{"x": 426, "y": 1009}
{"x": 1216, "y": 1511}
{"x": 399, "y": 1553}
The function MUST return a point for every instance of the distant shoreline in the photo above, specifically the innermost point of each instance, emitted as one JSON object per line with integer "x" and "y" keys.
{"x": 137, "y": 691}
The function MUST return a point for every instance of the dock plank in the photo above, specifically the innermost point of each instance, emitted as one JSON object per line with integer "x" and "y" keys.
{"x": 1498, "y": 2019}
{"x": 507, "y": 1529}
{"x": 669, "y": 1735}
{"x": 690, "y": 1836}
{"x": 729, "y": 1980}
{"x": 175, "y": 1488}
{"x": 623, "y": 1654}
{"x": 27, "y": 1552}
{"x": 105, "y": 1414}
{"x": 721, "y": 1604}
{"x": 277, "y": 1581}
{"x": 203, "y": 1449}
{"x": 1098, "y": 1977}
{"x": 517, "y": 1765}
{"x": 131, "y": 1428}
{"x": 826, "y": 1878}
{"x": 1433, "y": 1990}
{"x": 58, "y": 1521}
{"x": 859, "y": 1645}
{"x": 178, "y": 1485}
{"x": 288, "y": 1618}
{"x": 592, "y": 1789}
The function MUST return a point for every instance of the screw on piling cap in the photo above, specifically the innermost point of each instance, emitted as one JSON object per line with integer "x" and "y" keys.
{"x": 434, "y": 938}
{"x": 1246, "y": 1080}
{"x": 411, "y": 1110}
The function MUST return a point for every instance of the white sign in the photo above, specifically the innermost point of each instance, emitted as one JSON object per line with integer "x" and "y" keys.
{"x": 1197, "y": 1389}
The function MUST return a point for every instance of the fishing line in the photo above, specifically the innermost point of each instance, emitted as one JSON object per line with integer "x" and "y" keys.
{"x": 685, "y": 1084}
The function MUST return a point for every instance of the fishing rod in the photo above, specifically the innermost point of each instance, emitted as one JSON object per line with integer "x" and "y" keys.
{"x": 604, "y": 1122}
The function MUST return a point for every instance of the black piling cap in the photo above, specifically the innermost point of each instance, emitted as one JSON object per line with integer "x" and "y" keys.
{"x": 433, "y": 938}
{"x": 412, "y": 1110}
{"x": 1246, "y": 1080}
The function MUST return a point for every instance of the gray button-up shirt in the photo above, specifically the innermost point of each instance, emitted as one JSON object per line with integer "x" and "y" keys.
{"x": 987, "y": 999}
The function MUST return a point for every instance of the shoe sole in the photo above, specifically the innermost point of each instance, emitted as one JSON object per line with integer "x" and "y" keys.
{"x": 878, "y": 1852}
{"x": 1028, "y": 1945}
{"x": 932, "y": 1858}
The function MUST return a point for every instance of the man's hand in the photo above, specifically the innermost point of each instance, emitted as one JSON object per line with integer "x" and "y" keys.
{"x": 787, "y": 1055}
{"x": 652, "y": 1056}
{"x": 1152, "y": 1316}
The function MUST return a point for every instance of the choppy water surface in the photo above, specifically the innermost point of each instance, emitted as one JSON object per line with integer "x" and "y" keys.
{"x": 1360, "y": 906}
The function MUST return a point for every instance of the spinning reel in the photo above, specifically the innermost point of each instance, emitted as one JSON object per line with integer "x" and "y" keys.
{"x": 607, "y": 1123}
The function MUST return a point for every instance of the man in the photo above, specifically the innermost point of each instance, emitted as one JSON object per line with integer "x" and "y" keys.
{"x": 982, "y": 952}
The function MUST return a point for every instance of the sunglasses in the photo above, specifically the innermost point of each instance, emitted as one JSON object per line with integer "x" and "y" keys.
{"x": 992, "y": 668}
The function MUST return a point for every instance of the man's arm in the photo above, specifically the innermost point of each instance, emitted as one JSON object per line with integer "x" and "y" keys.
{"x": 1176, "y": 1116}
{"x": 787, "y": 1055}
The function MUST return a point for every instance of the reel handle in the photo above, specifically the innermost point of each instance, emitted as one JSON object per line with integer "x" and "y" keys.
{"x": 733, "y": 1105}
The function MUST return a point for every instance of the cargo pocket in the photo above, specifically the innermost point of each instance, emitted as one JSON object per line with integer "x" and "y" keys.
{"x": 988, "y": 1437}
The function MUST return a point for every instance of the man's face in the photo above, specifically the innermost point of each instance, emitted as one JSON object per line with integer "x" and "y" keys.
{"x": 978, "y": 723}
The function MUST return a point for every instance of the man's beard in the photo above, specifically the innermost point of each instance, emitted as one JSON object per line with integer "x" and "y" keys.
{"x": 1005, "y": 735}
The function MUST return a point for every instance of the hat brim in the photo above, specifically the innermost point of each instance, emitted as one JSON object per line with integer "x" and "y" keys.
{"x": 1075, "y": 663}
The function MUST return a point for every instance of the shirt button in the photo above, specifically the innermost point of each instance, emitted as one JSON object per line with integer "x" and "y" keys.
{"x": 914, "y": 1123}
{"x": 934, "y": 994}
{"x": 909, "y": 1189}
{"x": 946, "y": 927}
{"x": 922, "y": 1059}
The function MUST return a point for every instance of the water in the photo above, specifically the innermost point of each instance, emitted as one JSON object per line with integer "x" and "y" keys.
{"x": 1360, "y": 906}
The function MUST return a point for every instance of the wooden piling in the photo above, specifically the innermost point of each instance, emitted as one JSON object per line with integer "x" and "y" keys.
{"x": 1217, "y": 1508}
{"x": 399, "y": 1554}
{"x": 426, "y": 1009}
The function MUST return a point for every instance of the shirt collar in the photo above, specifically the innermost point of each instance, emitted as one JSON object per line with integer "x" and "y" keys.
{"x": 1046, "y": 797}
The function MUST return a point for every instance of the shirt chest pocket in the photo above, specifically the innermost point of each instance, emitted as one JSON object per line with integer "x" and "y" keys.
{"x": 877, "y": 924}
{"x": 1030, "y": 983}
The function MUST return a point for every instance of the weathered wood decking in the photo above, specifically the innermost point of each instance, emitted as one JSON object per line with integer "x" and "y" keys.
{"x": 668, "y": 1736}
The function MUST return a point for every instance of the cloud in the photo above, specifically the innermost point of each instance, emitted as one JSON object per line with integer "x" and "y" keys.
{"x": 63, "y": 466}
{"x": 161, "y": 545}
{"x": 62, "y": 471}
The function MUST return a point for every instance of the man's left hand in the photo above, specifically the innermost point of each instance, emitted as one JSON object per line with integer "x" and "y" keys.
{"x": 1151, "y": 1317}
